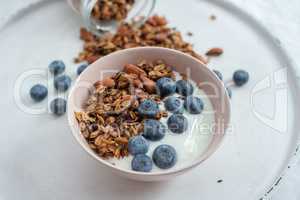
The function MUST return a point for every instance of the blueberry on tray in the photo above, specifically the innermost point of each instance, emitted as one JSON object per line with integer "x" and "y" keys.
{"x": 38, "y": 92}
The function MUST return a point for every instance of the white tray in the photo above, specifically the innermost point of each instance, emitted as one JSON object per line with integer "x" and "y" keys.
{"x": 41, "y": 160}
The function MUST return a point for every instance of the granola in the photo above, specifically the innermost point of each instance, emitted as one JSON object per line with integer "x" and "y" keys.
{"x": 110, "y": 116}
{"x": 112, "y": 9}
{"x": 154, "y": 32}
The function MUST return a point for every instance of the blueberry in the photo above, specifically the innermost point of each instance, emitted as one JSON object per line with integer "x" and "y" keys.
{"x": 62, "y": 83}
{"x": 38, "y": 92}
{"x": 229, "y": 92}
{"x": 141, "y": 163}
{"x": 164, "y": 156}
{"x": 174, "y": 104}
{"x": 81, "y": 68}
{"x": 165, "y": 86}
{"x": 184, "y": 88}
{"x": 154, "y": 130}
{"x": 240, "y": 77}
{"x": 138, "y": 145}
{"x": 193, "y": 105}
{"x": 57, "y": 67}
{"x": 219, "y": 74}
{"x": 58, "y": 106}
{"x": 148, "y": 108}
{"x": 177, "y": 123}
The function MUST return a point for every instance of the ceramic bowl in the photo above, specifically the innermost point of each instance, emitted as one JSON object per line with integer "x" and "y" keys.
{"x": 182, "y": 63}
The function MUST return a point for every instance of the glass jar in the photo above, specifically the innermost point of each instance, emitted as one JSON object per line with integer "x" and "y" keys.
{"x": 140, "y": 11}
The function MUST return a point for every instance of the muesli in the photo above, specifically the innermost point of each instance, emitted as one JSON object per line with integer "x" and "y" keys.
{"x": 111, "y": 117}
{"x": 112, "y": 9}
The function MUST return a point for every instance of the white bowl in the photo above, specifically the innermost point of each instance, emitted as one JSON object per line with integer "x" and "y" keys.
{"x": 181, "y": 62}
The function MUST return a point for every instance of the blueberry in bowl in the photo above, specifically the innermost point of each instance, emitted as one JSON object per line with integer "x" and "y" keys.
{"x": 165, "y": 86}
{"x": 173, "y": 104}
{"x": 184, "y": 88}
{"x": 193, "y": 105}
{"x": 177, "y": 123}
{"x": 141, "y": 163}
{"x": 138, "y": 145}
{"x": 154, "y": 130}
{"x": 148, "y": 108}
{"x": 164, "y": 156}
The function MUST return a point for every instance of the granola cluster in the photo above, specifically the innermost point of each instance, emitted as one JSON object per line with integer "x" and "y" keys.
{"x": 112, "y": 9}
{"x": 110, "y": 117}
{"x": 154, "y": 32}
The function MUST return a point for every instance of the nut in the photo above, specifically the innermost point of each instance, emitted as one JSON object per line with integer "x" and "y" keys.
{"x": 133, "y": 69}
{"x": 109, "y": 82}
{"x": 148, "y": 84}
{"x": 214, "y": 52}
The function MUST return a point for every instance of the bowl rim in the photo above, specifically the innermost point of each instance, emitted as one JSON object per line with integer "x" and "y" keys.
{"x": 148, "y": 174}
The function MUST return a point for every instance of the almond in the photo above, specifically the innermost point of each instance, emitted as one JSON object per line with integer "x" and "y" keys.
{"x": 108, "y": 82}
{"x": 86, "y": 35}
{"x": 133, "y": 69}
{"x": 149, "y": 85}
{"x": 214, "y": 52}
{"x": 137, "y": 83}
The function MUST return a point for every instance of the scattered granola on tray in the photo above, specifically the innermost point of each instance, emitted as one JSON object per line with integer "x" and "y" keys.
{"x": 216, "y": 51}
{"x": 154, "y": 32}
{"x": 112, "y": 9}
{"x": 111, "y": 116}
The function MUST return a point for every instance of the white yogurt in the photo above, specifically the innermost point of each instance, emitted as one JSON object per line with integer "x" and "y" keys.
{"x": 189, "y": 145}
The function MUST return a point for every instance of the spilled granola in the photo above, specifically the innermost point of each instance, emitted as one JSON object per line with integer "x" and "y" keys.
{"x": 154, "y": 32}
{"x": 112, "y": 9}
{"x": 110, "y": 116}
{"x": 216, "y": 51}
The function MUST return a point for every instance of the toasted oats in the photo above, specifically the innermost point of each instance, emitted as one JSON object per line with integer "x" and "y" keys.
{"x": 94, "y": 134}
{"x": 110, "y": 120}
